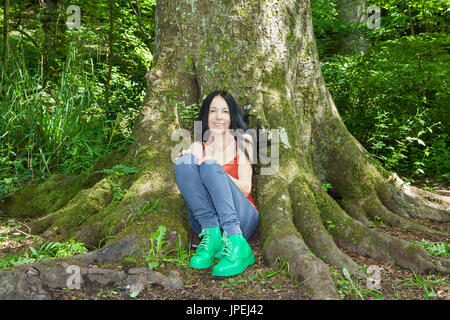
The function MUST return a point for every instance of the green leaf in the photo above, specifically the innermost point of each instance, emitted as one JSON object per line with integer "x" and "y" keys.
{"x": 346, "y": 273}
{"x": 134, "y": 294}
{"x": 33, "y": 251}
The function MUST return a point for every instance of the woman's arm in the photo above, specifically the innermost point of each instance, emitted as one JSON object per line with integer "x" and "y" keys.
{"x": 244, "y": 182}
{"x": 242, "y": 185}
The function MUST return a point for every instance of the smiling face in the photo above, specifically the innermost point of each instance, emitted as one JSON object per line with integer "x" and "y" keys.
{"x": 219, "y": 115}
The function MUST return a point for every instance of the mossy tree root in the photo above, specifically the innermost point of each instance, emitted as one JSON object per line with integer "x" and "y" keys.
{"x": 110, "y": 206}
{"x": 355, "y": 237}
{"x": 307, "y": 220}
{"x": 37, "y": 200}
{"x": 282, "y": 243}
{"x": 374, "y": 208}
{"x": 412, "y": 202}
{"x": 362, "y": 191}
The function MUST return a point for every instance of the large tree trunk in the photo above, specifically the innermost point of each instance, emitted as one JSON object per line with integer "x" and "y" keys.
{"x": 264, "y": 53}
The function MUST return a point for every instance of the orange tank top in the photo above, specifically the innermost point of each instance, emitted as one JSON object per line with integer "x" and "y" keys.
{"x": 232, "y": 169}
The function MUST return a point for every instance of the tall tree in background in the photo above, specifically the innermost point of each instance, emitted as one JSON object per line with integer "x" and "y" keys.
{"x": 54, "y": 27}
{"x": 110, "y": 56}
{"x": 5, "y": 32}
{"x": 265, "y": 54}
{"x": 353, "y": 11}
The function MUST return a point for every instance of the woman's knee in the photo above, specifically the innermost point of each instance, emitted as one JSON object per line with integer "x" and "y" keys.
{"x": 209, "y": 168}
{"x": 185, "y": 161}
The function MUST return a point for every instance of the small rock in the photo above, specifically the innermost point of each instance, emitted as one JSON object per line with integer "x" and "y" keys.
{"x": 173, "y": 281}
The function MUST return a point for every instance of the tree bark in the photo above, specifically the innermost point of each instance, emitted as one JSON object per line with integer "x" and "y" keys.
{"x": 264, "y": 53}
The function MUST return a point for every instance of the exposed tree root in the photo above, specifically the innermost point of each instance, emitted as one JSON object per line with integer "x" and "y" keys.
{"x": 308, "y": 222}
{"x": 280, "y": 240}
{"x": 413, "y": 202}
{"x": 35, "y": 281}
{"x": 374, "y": 208}
{"x": 352, "y": 235}
{"x": 365, "y": 193}
{"x": 36, "y": 200}
{"x": 354, "y": 209}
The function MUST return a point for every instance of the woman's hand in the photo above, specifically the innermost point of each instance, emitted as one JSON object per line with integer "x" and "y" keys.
{"x": 194, "y": 149}
{"x": 205, "y": 159}
{"x": 202, "y": 160}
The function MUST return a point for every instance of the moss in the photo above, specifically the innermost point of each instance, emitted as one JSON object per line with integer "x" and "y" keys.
{"x": 36, "y": 200}
{"x": 413, "y": 250}
{"x": 240, "y": 11}
{"x": 346, "y": 229}
{"x": 189, "y": 65}
{"x": 276, "y": 79}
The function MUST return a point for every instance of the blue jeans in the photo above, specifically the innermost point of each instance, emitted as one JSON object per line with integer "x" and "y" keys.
{"x": 212, "y": 199}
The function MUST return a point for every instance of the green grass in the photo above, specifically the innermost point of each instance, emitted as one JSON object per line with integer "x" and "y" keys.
{"x": 426, "y": 284}
{"x": 61, "y": 127}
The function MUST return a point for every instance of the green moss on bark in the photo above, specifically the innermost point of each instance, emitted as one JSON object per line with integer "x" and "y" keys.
{"x": 36, "y": 200}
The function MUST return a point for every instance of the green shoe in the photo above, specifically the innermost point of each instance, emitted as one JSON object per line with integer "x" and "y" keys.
{"x": 236, "y": 257}
{"x": 220, "y": 252}
{"x": 207, "y": 249}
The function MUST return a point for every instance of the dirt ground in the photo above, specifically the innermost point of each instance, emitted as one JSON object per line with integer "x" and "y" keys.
{"x": 262, "y": 282}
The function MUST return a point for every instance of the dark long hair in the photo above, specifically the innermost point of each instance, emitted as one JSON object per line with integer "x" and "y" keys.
{"x": 236, "y": 118}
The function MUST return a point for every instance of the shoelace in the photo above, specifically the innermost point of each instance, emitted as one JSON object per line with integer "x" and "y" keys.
{"x": 226, "y": 250}
{"x": 205, "y": 240}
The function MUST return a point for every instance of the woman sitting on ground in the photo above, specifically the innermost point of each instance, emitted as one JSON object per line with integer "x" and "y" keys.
{"x": 215, "y": 180}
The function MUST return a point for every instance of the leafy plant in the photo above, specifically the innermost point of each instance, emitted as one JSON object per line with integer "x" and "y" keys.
{"x": 188, "y": 114}
{"x": 326, "y": 187}
{"x": 46, "y": 251}
{"x": 134, "y": 294}
{"x": 377, "y": 219}
{"x": 330, "y": 225}
{"x": 156, "y": 257}
{"x": 157, "y": 242}
{"x": 391, "y": 99}
{"x": 435, "y": 248}
{"x": 282, "y": 269}
{"x": 139, "y": 210}
{"x": 346, "y": 286}
{"x": 116, "y": 172}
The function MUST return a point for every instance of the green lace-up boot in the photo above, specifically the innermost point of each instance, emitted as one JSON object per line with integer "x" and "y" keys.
{"x": 236, "y": 256}
{"x": 208, "y": 248}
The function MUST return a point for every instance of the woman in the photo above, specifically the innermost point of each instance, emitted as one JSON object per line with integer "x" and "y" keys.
{"x": 215, "y": 179}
